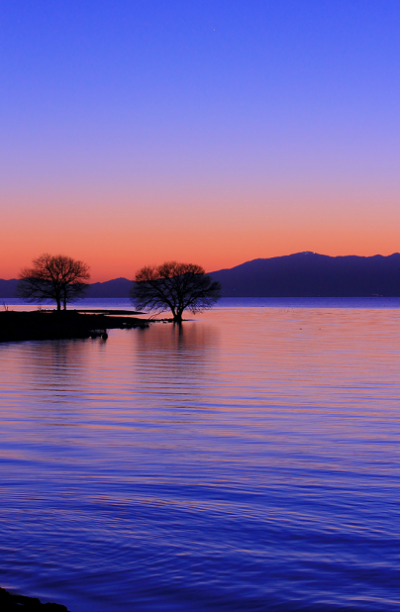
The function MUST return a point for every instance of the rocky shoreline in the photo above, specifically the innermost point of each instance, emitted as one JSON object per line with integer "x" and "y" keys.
{"x": 10, "y": 602}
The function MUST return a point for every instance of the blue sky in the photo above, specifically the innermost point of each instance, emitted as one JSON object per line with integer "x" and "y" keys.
{"x": 278, "y": 110}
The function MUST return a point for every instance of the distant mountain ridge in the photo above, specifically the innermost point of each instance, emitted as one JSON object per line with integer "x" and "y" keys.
{"x": 115, "y": 288}
{"x": 299, "y": 275}
{"x": 311, "y": 275}
{"x": 8, "y": 287}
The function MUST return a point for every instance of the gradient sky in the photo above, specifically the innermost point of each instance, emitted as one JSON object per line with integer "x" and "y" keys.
{"x": 215, "y": 131}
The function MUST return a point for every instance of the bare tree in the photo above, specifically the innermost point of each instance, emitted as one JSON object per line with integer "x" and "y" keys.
{"x": 52, "y": 278}
{"x": 176, "y": 287}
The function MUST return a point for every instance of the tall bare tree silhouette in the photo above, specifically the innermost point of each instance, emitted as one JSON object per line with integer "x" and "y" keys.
{"x": 54, "y": 278}
{"x": 174, "y": 286}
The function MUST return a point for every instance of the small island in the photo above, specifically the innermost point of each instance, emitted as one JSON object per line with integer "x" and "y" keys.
{"x": 172, "y": 286}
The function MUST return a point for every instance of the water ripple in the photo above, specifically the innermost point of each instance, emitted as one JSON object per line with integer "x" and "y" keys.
{"x": 248, "y": 462}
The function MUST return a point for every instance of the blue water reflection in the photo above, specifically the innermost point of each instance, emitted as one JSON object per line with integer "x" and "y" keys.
{"x": 246, "y": 462}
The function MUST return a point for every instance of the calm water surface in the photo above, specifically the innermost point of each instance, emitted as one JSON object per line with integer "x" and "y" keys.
{"x": 249, "y": 461}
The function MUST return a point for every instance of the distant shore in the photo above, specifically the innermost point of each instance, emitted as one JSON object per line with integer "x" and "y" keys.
{"x": 10, "y": 602}
{"x": 57, "y": 325}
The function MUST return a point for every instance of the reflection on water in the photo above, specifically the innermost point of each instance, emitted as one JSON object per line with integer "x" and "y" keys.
{"x": 172, "y": 361}
{"x": 246, "y": 461}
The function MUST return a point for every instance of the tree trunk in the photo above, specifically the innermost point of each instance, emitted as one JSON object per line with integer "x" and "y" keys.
{"x": 178, "y": 317}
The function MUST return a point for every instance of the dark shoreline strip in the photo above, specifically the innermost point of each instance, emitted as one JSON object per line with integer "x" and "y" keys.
{"x": 10, "y": 602}
{"x": 53, "y": 325}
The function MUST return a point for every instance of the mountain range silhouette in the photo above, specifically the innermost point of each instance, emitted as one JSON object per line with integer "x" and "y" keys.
{"x": 311, "y": 275}
{"x": 304, "y": 274}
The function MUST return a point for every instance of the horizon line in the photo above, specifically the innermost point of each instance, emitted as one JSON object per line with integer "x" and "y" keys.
{"x": 249, "y": 261}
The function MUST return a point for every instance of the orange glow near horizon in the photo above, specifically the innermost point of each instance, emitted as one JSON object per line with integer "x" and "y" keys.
{"x": 116, "y": 239}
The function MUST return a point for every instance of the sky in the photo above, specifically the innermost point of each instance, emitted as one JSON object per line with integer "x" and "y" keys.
{"x": 212, "y": 131}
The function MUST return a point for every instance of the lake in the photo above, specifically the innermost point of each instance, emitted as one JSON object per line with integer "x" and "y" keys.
{"x": 248, "y": 461}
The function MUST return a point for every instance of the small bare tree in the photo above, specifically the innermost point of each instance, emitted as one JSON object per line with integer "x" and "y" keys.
{"x": 52, "y": 278}
{"x": 176, "y": 287}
